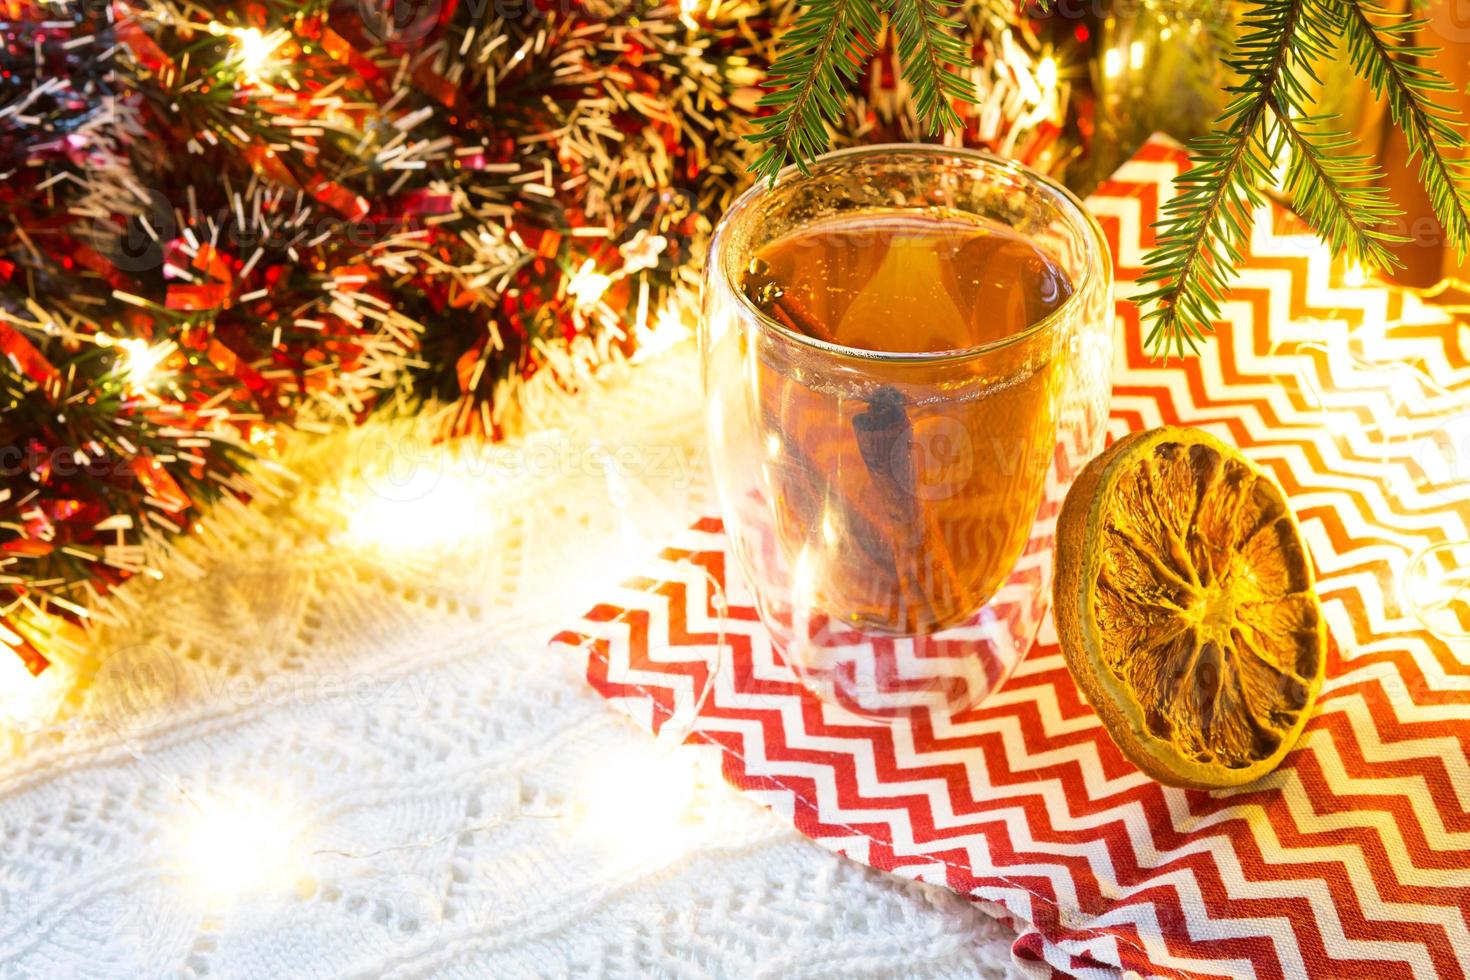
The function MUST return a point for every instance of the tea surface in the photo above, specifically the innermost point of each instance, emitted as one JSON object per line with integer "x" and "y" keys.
{"x": 906, "y": 281}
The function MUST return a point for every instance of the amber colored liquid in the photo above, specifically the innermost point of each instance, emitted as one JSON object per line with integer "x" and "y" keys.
{"x": 904, "y": 492}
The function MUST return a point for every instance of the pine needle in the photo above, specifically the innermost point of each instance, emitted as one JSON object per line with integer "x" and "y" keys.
{"x": 1203, "y": 230}
{"x": 1200, "y": 234}
{"x": 821, "y": 54}
{"x": 825, "y": 50}
{"x": 934, "y": 61}
{"x": 1396, "y": 69}
{"x": 1339, "y": 191}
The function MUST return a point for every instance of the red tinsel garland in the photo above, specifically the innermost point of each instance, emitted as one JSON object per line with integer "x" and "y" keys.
{"x": 286, "y": 212}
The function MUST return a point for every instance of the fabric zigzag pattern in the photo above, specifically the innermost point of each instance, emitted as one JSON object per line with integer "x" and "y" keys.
{"x": 1352, "y": 859}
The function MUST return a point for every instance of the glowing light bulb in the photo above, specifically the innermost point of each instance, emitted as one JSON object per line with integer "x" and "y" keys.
{"x": 1046, "y": 73}
{"x": 29, "y": 701}
{"x": 142, "y": 360}
{"x": 427, "y": 507}
{"x": 255, "y": 50}
{"x": 238, "y": 847}
{"x": 587, "y": 285}
{"x": 668, "y": 331}
{"x": 1112, "y": 63}
{"x": 264, "y": 440}
{"x": 15, "y": 680}
{"x": 1437, "y": 588}
{"x": 1135, "y": 55}
{"x": 637, "y": 798}
{"x": 1355, "y": 276}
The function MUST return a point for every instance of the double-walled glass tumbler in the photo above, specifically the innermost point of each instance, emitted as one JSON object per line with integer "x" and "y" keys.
{"x": 893, "y": 512}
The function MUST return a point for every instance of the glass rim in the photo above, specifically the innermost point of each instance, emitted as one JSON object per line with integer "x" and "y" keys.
{"x": 1099, "y": 260}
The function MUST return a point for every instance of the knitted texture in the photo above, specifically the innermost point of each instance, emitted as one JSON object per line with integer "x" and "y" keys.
{"x": 349, "y": 688}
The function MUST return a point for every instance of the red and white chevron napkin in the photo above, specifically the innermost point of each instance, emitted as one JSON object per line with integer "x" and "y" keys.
{"x": 1351, "y": 860}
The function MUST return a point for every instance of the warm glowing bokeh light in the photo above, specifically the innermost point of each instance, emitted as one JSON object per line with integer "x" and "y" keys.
{"x": 638, "y": 798}
{"x": 416, "y": 497}
{"x": 1437, "y": 589}
{"x": 587, "y": 285}
{"x": 256, "y": 50}
{"x": 1046, "y": 73}
{"x": 238, "y": 847}
{"x": 669, "y": 329}
{"x": 29, "y": 702}
{"x": 428, "y": 507}
{"x": 142, "y": 361}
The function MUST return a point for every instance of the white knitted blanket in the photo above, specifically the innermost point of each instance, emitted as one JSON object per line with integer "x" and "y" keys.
{"x": 332, "y": 741}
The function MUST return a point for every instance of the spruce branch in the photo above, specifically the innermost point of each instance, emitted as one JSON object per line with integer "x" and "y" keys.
{"x": 935, "y": 61}
{"x": 1200, "y": 233}
{"x": 1339, "y": 192}
{"x": 1396, "y": 69}
{"x": 821, "y": 54}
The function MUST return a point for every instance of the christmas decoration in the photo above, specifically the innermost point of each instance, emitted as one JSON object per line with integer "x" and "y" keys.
{"x": 1272, "y": 130}
{"x": 1157, "y": 69}
{"x": 227, "y": 227}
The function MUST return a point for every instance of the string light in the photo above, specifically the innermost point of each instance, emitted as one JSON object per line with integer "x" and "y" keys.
{"x": 1402, "y": 400}
{"x": 587, "y": 285}
{"x": 264, "y": 440}
{"x": 255, "y": 50}
{"x": 142, "y": 360}
{"x": 638, "y": 799}
{"x": 28, "y": 701}
{"x": 641, "y": 798}
{"x": 1437, "y": 589}
{"x": 238, "y": 847}
{"x": 1444, "y": 455}
{"x": 1046, "y": 73}
{"x": 669, "y": 330}
{"x": 430, "y": 507}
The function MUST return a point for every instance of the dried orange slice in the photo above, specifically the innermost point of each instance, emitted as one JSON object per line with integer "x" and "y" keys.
{"x": 1185, "y": 608}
